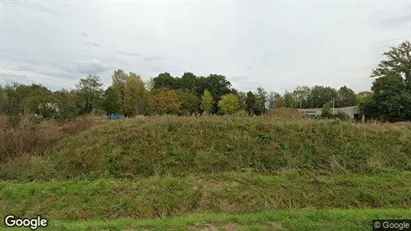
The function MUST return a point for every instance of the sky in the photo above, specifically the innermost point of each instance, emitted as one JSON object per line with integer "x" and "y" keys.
{"x": 277, "y": 45}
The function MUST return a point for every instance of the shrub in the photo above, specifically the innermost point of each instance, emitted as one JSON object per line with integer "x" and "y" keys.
{"x": 326, "y": 111}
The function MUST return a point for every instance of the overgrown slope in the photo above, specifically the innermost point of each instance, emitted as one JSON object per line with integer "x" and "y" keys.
{"x": 177, "y": 146}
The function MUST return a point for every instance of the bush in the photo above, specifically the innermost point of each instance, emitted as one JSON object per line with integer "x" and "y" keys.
{"x": 326, "y": 111}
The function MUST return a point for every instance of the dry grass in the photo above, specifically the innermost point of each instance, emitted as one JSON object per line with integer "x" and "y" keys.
{"x": 285, "y": 114}
{"x": 29, "y": 135}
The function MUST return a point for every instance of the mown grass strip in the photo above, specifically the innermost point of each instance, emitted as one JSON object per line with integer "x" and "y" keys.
{"x": 332, "y": 219}
{"x": 226, "y": 192}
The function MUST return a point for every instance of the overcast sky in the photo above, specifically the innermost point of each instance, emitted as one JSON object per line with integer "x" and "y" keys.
{"x": 277, "y": 45}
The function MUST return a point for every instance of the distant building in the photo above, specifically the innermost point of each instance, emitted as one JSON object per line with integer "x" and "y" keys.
{"x": 352, "y": 112}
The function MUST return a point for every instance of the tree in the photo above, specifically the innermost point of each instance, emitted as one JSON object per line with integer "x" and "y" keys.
{"x": 326, "y": 111}
{"x": 391, "y": 101}
{"x": 321, "y": 95}
{"x": 261, "y": 101}
{"x": 134, "y": 92}
{"x": 229, "y": 104}
{"x": 251, "y": 102}
{"x": 111, "y": 103}
{"x": 119, "y": 80}
{"x": 207, "y": 102}
{"x": 392, "y": 88}
{"x": 189, "y": 82}
{"x": 301, "y": 97}
{"x": 165, "y": 80}
{"x": 397, "y": 63}
{"x": 3, "y": 101}
{"x": 288, "y": 99}
{"x": 242, "y": 96}
{"x": 149, "y": 84}
{"x": 272, "y": 98}
{"x": 164, "y": 101}
{"x": 345, "y": 97}
{"x": 189, "y": 102}
{"x": 90, "y": 91}
{"x": 66, "y": 104}
{"x": 280, "y": 102}
{"x": 218, "y": 86}
{"x": 35, "y": 98}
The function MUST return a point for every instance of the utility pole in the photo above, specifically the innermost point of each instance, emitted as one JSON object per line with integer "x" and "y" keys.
{"x": 333, "y": 106}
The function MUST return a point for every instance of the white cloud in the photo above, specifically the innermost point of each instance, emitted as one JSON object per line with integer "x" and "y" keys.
{"x": 277, "y": 45}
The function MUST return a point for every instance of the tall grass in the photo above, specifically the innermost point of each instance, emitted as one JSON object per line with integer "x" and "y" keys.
{"x": 28, "y": 135}
{"x": 177, "y": 146}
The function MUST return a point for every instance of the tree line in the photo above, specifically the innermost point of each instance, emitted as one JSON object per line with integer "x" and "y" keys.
{"x": 390, "y": 99}
{"x": 164, "y": 94}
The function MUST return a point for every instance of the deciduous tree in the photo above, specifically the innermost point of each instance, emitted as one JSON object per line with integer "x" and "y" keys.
{"x": 229, "y": 104}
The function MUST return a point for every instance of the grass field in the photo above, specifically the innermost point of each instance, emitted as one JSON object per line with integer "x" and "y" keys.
{"x": 208, "y": 173}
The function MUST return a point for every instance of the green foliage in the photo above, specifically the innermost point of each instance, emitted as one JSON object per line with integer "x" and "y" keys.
{"x": 397, "y": 63}
{"x": 273, "y": 98}
{"x": 189, "y": 82}
{"x": 67, "y": 104}
{"x": 165, "y": 80}
{"x": 207, "y": 102}
{"x": 391, "y": 101}
{"x": 118, "y": 83}
{"x": 134, "y": 93}
{"x": 111, "y": 104}
{"x": 164, "y": 101}
{"x": 392, "y": 88}
{"x": 19, "y": 98}
{"x": 345, "y": 97}
{"x": 190, "y": 103}
{"x": 217, "y": 85}
{"x": 261, "y": 101}
{"x": 256, "y": 102}
{"x": 251, "y": 102}
{"x": 89, "y": 91}
{"x": 326, "y": 111}
{"x": 229, "y": 104}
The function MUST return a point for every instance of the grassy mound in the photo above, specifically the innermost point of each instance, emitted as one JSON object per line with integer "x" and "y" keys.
{"x": 178, "y": 146}
{"x": 210, "y": 171}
